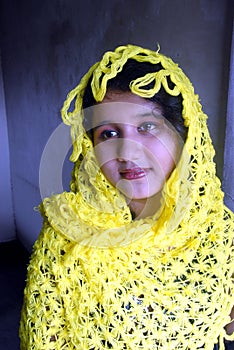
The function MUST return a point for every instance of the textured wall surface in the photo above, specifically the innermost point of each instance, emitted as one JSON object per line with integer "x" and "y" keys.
{"x": 48, "y": 45}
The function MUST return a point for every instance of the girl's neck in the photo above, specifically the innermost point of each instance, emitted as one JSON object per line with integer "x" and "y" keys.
{"x": 141, "y": 208}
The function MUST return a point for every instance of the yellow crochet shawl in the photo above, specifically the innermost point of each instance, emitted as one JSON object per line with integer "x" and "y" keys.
{"x": 99, "y": 280}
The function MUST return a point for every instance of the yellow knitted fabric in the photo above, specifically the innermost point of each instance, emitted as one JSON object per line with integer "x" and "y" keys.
{"x": 99, "y": 280}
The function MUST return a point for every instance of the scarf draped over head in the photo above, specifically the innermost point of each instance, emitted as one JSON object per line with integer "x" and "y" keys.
{"x": 163, "y": 282}
{"x": 192, "y": 191}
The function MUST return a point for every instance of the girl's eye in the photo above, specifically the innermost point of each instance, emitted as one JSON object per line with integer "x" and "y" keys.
{"x": 108, "y": 134}
{"x": 147, "y": 127}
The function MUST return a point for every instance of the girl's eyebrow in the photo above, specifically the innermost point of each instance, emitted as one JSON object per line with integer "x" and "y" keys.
{"x": 151, "y": 113}
{"x": 102, "y": 123}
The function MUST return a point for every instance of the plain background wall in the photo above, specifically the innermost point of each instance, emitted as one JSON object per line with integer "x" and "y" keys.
{"x": 48, "y": 45}
{"x": 228, "y": 169}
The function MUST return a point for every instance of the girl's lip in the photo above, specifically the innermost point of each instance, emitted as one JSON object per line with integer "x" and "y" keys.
{"x": 133, "y": 173}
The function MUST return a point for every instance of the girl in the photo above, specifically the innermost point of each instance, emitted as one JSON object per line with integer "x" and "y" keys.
{"x": 139, "y": 254}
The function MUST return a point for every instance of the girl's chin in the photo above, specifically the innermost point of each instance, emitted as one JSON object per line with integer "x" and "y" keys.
{"x": 133, "y": 191}
{"x": 134, "y": 196}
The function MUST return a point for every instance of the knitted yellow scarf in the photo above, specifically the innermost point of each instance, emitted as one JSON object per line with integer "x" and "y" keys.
{"x": 99, "y": 280}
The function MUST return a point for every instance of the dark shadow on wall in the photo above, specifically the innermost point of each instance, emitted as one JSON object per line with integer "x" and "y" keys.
{"x": 13, "y": 264}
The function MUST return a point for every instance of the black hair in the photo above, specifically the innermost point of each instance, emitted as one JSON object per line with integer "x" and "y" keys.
{"x": 171, "y": 105}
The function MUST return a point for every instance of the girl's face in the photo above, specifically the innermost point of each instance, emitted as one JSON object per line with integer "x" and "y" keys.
{"x": 135, "y": 146}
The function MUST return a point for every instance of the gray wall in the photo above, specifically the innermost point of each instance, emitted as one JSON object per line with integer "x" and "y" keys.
{"x": 228, "y": 169}
{"x": 48, "y": 45}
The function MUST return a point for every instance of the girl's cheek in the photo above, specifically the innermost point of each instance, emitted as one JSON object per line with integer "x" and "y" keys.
{"x": 105, "y": 152}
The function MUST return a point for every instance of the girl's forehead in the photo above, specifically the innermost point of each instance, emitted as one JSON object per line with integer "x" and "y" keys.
{"x": 124, "y": 106}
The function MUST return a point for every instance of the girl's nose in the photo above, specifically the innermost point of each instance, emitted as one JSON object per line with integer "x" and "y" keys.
{"x": 128, "y": 149}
